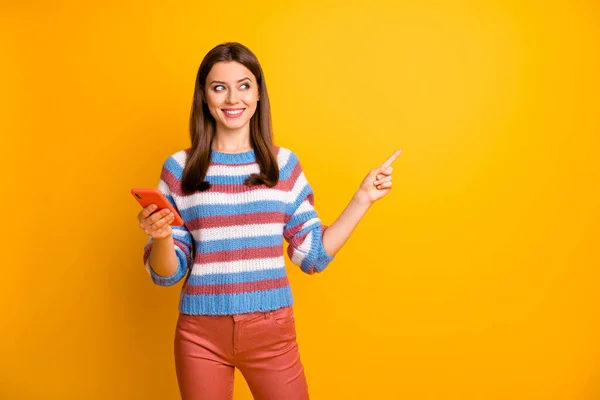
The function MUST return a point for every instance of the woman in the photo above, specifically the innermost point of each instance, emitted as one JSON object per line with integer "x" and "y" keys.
{"x": 239, "y": 195}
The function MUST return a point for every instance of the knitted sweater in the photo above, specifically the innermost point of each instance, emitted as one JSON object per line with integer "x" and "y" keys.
{"x": 230, "y": 249}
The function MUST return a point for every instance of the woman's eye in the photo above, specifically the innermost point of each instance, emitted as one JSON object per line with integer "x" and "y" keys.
{"x": 246, "y": 86}
{"x": 218, "y": 88}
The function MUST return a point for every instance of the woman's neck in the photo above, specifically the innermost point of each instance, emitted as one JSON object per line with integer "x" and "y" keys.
{"x": 232, "y": 141}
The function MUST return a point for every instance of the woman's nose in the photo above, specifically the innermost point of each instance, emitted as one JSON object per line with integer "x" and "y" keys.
{"x": 232, "y": 98}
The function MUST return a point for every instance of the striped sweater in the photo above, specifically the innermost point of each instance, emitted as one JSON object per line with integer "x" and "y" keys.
{"x": 230, "y": 249}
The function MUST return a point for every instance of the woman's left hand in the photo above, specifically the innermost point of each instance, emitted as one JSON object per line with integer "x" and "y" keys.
{"x": 378, "y": 182}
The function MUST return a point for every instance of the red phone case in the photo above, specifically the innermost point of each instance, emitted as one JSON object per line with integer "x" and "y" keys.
{"x": 154, "y": 196}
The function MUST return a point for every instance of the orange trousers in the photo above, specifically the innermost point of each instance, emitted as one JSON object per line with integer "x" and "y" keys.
{"x": 262, "y": 345}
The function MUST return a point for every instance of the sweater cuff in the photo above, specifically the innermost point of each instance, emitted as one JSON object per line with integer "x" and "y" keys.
{"x": 319, "y": 262}
{"x": 160, "y": 280}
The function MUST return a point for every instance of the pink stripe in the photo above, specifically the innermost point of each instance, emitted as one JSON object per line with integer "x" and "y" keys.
{"x": 212, "y": 163}
{"x": 171, "y": 181}
{"x": 284, "y": 185}
{"x": 292, "y": 232}
{"x": 183, "y": 247}
{"x": 218, "y": 188}
{"x": 147, "y": 250}
{"x": 233, "y": 220}
{"x": 244, "y": 287}
{"x": 175, "y": 185}
{"x": 295, "y": 174}
{"x": 237, "y": 255}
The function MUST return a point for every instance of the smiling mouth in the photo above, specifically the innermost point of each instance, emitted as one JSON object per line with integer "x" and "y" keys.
{"x": 233, "y": 112}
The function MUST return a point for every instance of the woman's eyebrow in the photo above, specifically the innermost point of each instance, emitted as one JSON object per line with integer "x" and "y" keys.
{"x": 221, "y": 82}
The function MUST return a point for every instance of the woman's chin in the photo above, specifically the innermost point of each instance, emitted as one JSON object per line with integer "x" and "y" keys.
{"x": 234, "y": 125}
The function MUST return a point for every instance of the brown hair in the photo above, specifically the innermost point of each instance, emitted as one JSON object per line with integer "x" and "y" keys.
{"x": 203, "y": 125}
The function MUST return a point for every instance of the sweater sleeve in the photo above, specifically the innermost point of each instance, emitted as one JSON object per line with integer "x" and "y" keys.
{"x": 304, "y": 230}
{"x": 182, "y": 238}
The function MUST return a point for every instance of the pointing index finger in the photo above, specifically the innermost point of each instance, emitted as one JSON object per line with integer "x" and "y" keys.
{"x": 390, "y": 160}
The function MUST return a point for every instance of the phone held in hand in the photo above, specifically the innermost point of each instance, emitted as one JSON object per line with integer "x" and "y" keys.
{"x": 147, "y": 197}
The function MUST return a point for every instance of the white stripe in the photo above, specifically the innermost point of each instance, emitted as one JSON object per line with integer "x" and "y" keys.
{"x": 297, "y": 257}
{"x": 180, "y": 157}
{"x": 304, "y": 247}
{"x": 215, "y": 198}
{"x": 304, "y": 207}
{"x": 233, "y": 170}
{"x": 238, "y": 232}
{"x": 221, "y": 170}
{"x": 283, "y": 157}
{"x": 232, "y": 267}
{"x": 310, "y": 222}
{"x": 163, "y": 187}
{"x": 180, "y": 233}
{"x": 299, "y": 185}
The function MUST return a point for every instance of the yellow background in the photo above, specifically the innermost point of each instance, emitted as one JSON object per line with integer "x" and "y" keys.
{"x": 476, "y": 278}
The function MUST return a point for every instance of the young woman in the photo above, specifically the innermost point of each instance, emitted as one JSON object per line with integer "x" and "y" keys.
{"x": 239, "y": 196}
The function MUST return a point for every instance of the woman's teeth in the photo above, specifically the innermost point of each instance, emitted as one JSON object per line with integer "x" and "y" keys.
{"x": 233, "y": 113}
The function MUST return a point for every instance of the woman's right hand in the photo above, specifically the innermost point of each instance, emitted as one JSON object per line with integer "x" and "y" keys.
{"x": 157, "y": 225}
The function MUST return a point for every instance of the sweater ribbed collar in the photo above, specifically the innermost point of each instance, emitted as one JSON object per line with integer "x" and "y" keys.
{"x": 233, "y": 158}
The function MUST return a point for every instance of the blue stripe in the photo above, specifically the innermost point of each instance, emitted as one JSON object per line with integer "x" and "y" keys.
{"x": 292, "y": 207}
{"x": 236, "y": 303}
{"x": 227, "y": 179}
{"x": 286, "y": 172}
{"x": 233, "y": 158}
{"x": 171, "y": 200}
{"x": 205, "y": 247}
{"x": 239, "y": 277}
{"x": 174, "y": 168}
{"x": 300, "y": 218}
{"x": 217, "y": 210}
{"x": 313, "y": 227}
{"x": 186, "y": 239}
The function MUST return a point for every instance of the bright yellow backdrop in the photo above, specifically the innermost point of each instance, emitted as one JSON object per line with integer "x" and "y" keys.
{"x": 476, "y": 278}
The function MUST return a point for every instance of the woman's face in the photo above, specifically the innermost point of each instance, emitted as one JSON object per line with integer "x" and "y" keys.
{"x": 231, "y": 94}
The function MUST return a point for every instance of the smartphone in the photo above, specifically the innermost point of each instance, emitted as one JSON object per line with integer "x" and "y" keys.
{"x": 154, "y": 196}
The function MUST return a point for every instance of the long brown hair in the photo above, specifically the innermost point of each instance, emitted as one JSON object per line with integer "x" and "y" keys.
{"x": 203, "y": 125}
